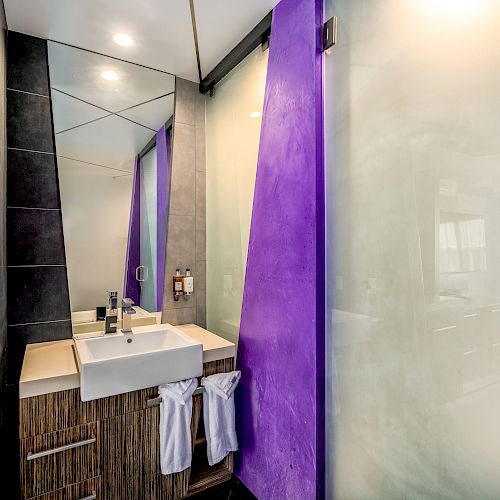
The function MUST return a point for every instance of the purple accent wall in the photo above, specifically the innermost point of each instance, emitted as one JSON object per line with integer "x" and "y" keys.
{"x": 280, "y": 402}
{"x": 163, "y": 190}
{"x": 131, "y": 287}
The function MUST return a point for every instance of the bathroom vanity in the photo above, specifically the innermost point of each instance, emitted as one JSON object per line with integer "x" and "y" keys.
{"x": 108, "y": 447}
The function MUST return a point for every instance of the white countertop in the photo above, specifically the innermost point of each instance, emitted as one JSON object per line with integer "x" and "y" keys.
{"x": 48, "y": 367}
{"x": 214, "y": 347}
{"x": 51, "y": 366}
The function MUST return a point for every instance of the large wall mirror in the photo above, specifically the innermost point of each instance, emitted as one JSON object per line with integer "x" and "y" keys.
{"x": 111, "y": 125}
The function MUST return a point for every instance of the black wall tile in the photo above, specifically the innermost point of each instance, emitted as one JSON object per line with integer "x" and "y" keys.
{"x": 35, "y": 237}
{"x": 15, "y": 357}
{"x": 29, "y": 122}
{"x": 37, "y": 294}
{"x": 27, "y": 67}
{"x": 32, "y": 180}
{"x": 20, "y": 336}
{"x": 41, "y": 332}
{"x": 33, "y": 293}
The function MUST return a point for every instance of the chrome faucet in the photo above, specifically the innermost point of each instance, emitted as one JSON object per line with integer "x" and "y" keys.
{"x": 127, "y": 311}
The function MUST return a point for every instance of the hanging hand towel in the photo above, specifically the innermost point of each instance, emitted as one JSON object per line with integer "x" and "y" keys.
{"x": 218, "y": 414}
{"x": 175, "y": 425}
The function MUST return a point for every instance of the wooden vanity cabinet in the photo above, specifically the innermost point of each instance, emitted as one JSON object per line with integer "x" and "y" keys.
{"x": 108, "y": 448}
{"x": 87, "y": 490}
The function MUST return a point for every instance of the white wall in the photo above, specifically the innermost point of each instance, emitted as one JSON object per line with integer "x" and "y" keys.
{"x": 413, "y": 92}
{"x": 95, "y": 210}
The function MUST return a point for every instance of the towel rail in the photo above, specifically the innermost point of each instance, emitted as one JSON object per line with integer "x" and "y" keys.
{"x": 157, "y": 401}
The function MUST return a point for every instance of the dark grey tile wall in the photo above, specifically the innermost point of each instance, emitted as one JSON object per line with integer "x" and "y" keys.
{"x": 35, "y": 237}
{"x": 3, "y": 211}
{"x": 37, "y": 294}
{"x": 8, "y": 395}
{"x": 186, "y": 217}
{"x": 29, "y": 122}
{"x": 37, "y": 298}
{"x": 27, "y": 60}
{"x": 32, "y": 180}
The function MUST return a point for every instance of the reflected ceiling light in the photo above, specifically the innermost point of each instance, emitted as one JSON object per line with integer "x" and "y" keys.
{"x": 255, "y": 114}
{"x": 123, "y": 39}
{"x": 111, "y": 76}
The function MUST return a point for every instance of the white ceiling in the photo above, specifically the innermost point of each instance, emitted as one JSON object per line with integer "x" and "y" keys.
{"x": 161, "y": 29}
{"x": 221, "y": 24}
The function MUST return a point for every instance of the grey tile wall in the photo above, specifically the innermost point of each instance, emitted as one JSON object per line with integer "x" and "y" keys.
{"x": 186, "y": 220}
{"x": 37, "y": 297}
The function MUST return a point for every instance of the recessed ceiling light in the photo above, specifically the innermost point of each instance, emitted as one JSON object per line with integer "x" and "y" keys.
{"x": 255, "y": 114}
{"x": 110, "y": 75}
{"x": 123, "y": 39}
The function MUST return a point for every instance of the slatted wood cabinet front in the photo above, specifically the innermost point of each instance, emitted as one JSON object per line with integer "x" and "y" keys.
{"x": 113, "y": 450}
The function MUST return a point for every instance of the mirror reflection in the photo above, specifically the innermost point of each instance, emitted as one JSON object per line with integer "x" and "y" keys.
{"x": 108, "y": 118}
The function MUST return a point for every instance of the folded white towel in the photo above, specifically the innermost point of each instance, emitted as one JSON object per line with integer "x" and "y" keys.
{"x": 175, "y": 425}
{"x": 218, "y": 414}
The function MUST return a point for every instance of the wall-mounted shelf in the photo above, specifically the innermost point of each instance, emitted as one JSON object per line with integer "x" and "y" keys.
{"x": 204, "y": 476}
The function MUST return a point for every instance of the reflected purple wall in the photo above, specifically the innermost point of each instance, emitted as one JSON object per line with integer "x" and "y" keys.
{"x": 280, "y": 407}
{"x": 131, "y": 287}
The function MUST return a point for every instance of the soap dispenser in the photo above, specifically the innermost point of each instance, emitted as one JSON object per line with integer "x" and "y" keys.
{"x": 188, "y": 284}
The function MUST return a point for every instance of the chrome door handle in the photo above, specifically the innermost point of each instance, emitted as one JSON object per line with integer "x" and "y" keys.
{"x": 53, "y": 451}
{"x": 138, "y": 274}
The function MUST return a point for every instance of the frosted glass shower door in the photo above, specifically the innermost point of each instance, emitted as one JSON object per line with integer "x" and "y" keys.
{"x": 233, "y": 118}
{"x": 413, "y": 230}
{"x": 146, "y": 273}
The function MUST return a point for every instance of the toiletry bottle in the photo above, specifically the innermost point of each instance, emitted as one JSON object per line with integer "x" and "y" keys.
{"x": 112, "y": 302}
{"x": 188, "y": 283}
{"x": 177, "y": 284}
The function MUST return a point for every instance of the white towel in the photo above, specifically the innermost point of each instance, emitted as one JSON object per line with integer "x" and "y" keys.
{"x": 175, "y": 425}
{"x": 218, "y": 414}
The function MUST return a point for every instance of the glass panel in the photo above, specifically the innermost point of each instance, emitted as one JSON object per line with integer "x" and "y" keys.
{"x": 412, "y": 133}
{"x": 233, "y": 131}
{"x": 329, "y": 205}
{"x": 148, "y": 230}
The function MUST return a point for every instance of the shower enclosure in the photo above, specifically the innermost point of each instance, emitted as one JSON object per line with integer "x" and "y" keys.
{"x": 412, "y": 133}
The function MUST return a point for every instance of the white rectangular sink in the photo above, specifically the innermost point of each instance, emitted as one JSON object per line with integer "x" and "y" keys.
{"x": 151, "y": 355}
